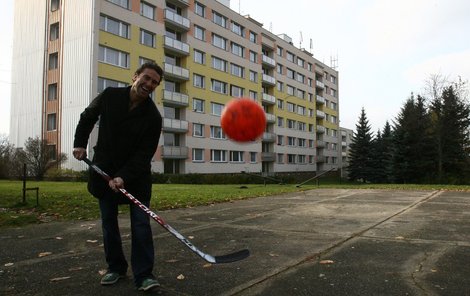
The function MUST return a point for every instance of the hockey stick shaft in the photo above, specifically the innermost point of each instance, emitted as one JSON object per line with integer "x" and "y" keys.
{"x": 209, "y": 258}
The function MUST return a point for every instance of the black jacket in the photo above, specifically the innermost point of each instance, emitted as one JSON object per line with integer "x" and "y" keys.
{"x": 127, "y": 141}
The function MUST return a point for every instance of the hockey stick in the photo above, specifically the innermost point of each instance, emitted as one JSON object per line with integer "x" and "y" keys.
{"x": 232, "y": 257}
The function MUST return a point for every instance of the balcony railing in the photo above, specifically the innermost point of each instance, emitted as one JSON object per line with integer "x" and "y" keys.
{"x": 176, "y": 46}
{"x": 269, "y": 61}
{"x": 320, "y": 100}
{"x": 269, "y": 79}
{"x": 269, "y": 99}
{"x": 320, "y": 84}
{"x": 271, "y": 118}
{"x": 269, "y": 137}
{"x": 320, "y": 129}
{"x": 175, "y": 125}
{"x": 177, "y": 20}
{"x": 320, "y": 114}
{"x": 175, "y": 152}
{"x": 344, "y": 144}
{"x": 320, "y": 144}
{"x": 268, "y": 156}
{"x": 175, "y": 98}
{"x": 176, "y": 72}
{"x": 321, "y": 158}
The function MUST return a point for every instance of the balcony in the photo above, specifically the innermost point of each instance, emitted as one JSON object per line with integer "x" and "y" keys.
{"x": 320, "y": 144}
{"x": 268, "y": 156}
{"x": 320, "y": 129}
{"x": 268, "y": 99}
{"x": 175, "y": 99}
{"x": 176, "y": 21}
{"x": 319, "y": 84}
{"x": 175, "y": 125}
{"x": 174, "y": 152}
{"x": 320, "y": 99}
{"x": 320, "y": 158}
{"x": 343, "y": 144}
{"x": 180, "y": 2}
{"x": 177, "y": 47}
{"x": 176, "y": 72}
{"x": 344, "y": 154}
{"x": 267, "y": 79}
{"x": 270, "y": 118}
{"x": 270, "y": 62}
{"x": 269, "y": 137}
{"x": 343, "y": 133}
{"x": 320, "y": 114}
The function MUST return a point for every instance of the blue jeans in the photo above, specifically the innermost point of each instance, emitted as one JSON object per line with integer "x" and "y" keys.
{"x": 142, "y": 254}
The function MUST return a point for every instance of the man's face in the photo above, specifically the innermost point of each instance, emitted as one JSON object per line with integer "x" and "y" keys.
{"x": 145, "y": 83}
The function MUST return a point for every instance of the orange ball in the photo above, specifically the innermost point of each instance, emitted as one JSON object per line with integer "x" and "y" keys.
{"x": 243, "y": 120}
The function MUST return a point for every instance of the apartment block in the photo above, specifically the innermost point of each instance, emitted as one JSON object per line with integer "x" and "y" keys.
{"x": 68, "y": 51}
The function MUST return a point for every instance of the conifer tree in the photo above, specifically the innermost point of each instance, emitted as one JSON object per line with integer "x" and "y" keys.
{"x": 360, "y": 164}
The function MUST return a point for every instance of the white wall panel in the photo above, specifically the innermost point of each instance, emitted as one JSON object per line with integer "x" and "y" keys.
{"x": 27, "y": 70}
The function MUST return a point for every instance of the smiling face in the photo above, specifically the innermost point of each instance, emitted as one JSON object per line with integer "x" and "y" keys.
{"x": 145, "y": 83}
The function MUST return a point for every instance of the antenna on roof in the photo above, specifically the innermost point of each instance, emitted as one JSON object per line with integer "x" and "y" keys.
{"x": 334, "y": 62}
{"x": 239, "y": 9}
{"x": 271, "y": 27}
{"x": 311, "y": 45}
{"x": 301, "y": 39}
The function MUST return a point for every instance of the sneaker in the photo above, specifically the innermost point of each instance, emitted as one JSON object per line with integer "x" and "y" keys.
{"x": 149, "y": 284}
{"x": 111, "y": 278}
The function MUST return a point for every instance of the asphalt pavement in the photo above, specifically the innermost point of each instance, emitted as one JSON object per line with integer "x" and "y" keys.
{"x": 318, "y": 242}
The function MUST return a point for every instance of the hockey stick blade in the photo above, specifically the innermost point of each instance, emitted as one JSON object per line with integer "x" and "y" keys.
{"x": 228, "y": 258}
{"x": 233, "y": 257}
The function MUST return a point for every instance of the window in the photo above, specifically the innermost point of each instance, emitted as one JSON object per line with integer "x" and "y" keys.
{"x": 198, "y": 105}
{"x": 199, "y": 9}
{"x": 198, "y": 130}
{"x": 51, "y": 122}
{"x": 147, "y": 38}
{"x": 55, "y": 5}
{"x": 199, "y": 81}
{"x": 291, "y": 141}
{"x": 217, "y": 109}
{"x": 199, "y": 57}
{"x": 279, "y": 51}
{"x": 300, "y": 110}
{"x": 54, "y": 32}
{"x": 300, "y": 62}
{"x": 280, "y": 121}
{"x": 310, "y": 67}
{"x": 290, "y": 56}
{"x": 300, "y": 94}
{"x": 280, "y": 86}
{"x": 53, "y": 61}
{"x": 291, "y": 123}
{"x": 236, "y": 91}
{"x": 333, "y": 79}
{"x": 219, "y": 86}
{"x": 290, "y": 107}
{"x": 114, "y": 26}
{"x": 279, "y": 68}
{"x": 236, "y": 156}
{"x": 238, "y": 29}
{"x": 280, "y": 158}
{"x": 217, "y": 132}
{"x": 52, "y": 92}
{"x": 219, "y": 64}
{"x": 122, "y": 3}
{"x": 199, "y": 33}
{"x": 147, "y": 10}
{"x": 290, "y": 90}
{"x": 253, "y": 37}
{"x": 253, "y": 57}
{"x": 252, "y": 157}
{"x": 253, "y": 95}
{"x": 143, "y": 60}
{"x": 253, "y": 76}
{"x": 237, "y": 70}
{"x": 301, "y": 159}
{"x": 280, "y": 140}
{"x": 218, "y": 155}
{"x": 114, "y": 57}
{"x": 219, "y": 41}
{"x": 333, "y": 105}
{"x": 301, "y": 142}
{"x": 290, "y": 73}
{"x": 300, "y": 78}
{"x": 103, "y": 83}
{"x": 219, "y": 19}
{"x": 238, "y": 49}
{"x": 291, "y": 158}
{"x": 333, "y": 92}
{"x": 198, "y": 155}
{"x": 280, "y": 104}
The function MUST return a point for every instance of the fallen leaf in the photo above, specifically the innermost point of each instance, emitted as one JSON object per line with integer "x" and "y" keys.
{"x": 273, "y": 255}
{"x": 171, "y": 261}
{"x": 180, "y": 277}
{"x": 20, "y": 236}
{"x": 44, "y": 254}
{"x": 399, "y": 237}
{"x": 433, "y": 270}
{"x": 191, "y": 237}
{"x": 58, "y": 238}
{"x": 59, "y": 279}
{"x": 327, "y": 262}
{"x": 102, "y": 271}
{"x": 207, "y": 265}
{"x": 91, "y": 241}
{"x": 75, "y": 268}
{"x": 9, "y": 264}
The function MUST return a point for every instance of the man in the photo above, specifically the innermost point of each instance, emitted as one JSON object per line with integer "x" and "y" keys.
{"x": 128, "y": 135}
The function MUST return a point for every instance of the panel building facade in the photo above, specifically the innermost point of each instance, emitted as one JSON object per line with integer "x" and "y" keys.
{"x": 67, "y": 51}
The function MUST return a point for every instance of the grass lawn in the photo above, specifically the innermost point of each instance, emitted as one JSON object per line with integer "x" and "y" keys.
{"x": 59, "y": 201}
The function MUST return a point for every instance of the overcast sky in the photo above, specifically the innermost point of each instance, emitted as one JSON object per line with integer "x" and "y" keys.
{"x": 384, "y": 49}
